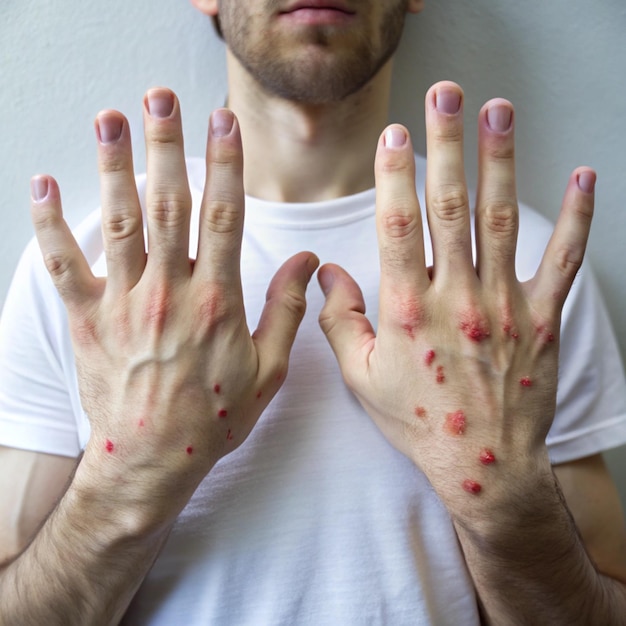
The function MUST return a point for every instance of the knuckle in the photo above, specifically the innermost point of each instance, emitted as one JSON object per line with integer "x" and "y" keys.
{"x": 212, "y": 309}
{"x": 113, "y": 162}
{"x": 399, "y": 220}
{"x": 396, "y": 163}
{"x": 450, "y": 132}
{"x": 568, "y": 260}
{"x": 121, "y": 225}
{"x": 501, "y": 151}
{"x": 223, "y": 216}
{"x": 293, "y": 301}
{"x": 449, "y": 203}
{"x": 500, "y": 218}
{"x": 170, "y": 210}
{"x": 59, "y": 266}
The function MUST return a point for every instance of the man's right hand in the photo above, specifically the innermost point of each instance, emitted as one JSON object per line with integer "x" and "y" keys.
{"x": 169, "y": 375}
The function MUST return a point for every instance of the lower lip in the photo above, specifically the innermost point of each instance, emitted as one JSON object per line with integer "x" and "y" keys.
{"x": 310, "y": 16}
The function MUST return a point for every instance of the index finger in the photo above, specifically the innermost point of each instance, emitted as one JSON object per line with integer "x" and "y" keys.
{"x": 221, "y": 216}
{"x": 398, "y": 222}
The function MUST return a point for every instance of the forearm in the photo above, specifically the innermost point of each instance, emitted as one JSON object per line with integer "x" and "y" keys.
{"x": 87, "y": 561}
{"x": 529, "y": 564}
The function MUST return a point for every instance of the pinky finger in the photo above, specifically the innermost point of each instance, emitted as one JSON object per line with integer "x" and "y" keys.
{"x": 566, "y": 248}
{"x": 63, "y": 258}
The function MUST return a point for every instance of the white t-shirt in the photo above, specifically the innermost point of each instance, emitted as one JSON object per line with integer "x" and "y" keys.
{"x": 315, "y": 519}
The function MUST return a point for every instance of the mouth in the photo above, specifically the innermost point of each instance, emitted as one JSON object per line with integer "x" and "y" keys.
{"x": 318, "y": 12}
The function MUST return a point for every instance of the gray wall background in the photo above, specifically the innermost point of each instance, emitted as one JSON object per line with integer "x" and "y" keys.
{"x": 562, "y": 63}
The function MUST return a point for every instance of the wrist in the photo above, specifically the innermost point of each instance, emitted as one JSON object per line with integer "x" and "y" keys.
{"x": 130, "y": 501}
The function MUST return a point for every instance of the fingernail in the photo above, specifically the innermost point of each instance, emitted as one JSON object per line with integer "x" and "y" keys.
{"x": 587, "y": 181}
{"x": 39, "y": 187}
{"x": 395, "y": 137}
{"x": 499, "y": 117}
{"x": 109, "y": 128}
{"x": 160, "y": 103}
{"x": 326, "y": 280}
{"x": 448, "y": 101}
{"x": 222, "y": 121}
{"x": 312, "y": 264}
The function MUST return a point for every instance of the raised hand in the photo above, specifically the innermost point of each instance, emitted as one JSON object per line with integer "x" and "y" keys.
{"x": 169, "y": 374}
{"x": 461, "y": 373}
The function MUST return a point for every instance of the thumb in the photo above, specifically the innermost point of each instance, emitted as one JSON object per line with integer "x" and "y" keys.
{"x": 343, "y": 321}
{"x": 285, "y": 305}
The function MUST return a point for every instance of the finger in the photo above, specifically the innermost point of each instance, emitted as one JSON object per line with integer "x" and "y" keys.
{"x": 221, "y": 217}
{"x": 168, "y": 197}
{"x": 285, "y": 305}
{"x": 398, "y": 221}
{"x": 343, "y": 321}
{"x": 63, "y": 258}
{"x": 496, "y": 202}
{"x": 447, "y": 202}
{"x": 566, "y": 248}
{"x": 122, "y": 224}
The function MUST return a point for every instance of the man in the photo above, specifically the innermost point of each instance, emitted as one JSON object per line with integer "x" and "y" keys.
{"x": 216, "y": 487}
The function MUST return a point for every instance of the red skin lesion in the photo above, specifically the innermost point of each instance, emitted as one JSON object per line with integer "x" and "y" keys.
{"x": 441, "y": 378}
{"x": 229, "y": 435}
{"x": 526, "y": 382}
{"x": 258, "y": 395}
{"x": 217, "y": 388}
{"x": 411, "y": 315}
{"x": 222, "y": 413}
{"x": 109, "y": 446}
{"x": 455, "y": 423}
{"x": 471, "y": 486}
{"x": 487, "y": 457}
{"x": 420, "y": 412}
{"x": 473, "y": 327}
{"x": 189, "y": 450}
{"x": 429, "y": 357}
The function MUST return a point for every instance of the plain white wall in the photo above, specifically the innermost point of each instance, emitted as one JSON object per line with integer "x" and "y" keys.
{"x": 562, "y": 63}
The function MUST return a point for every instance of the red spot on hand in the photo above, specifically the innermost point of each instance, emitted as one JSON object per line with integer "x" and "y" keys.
{"x": 440, "y": 375}
{"x": 546, "y": 335}
{"x": 409, "y": 329}
{"x": 222, "y": 413}
{"x": 429, "y": 357}
{"x": 109, "y": 446}
{"x": 515, "y": 335}
{"x": 471, "y": 486}
{"x": 420, "y": 411}
{"x": 279, "y": 376}
{"x": 411, "y": 314}
{"x": 217, "y": 388}
{"x": 487, "y": 457}
{"x": 474, "y": 328}
{"x": 455, "y": 423}
{"x": 229, "y": 435}
{"x": 189, "y": 450}
{"x": 259, "y": 394}
{"x": 141, "y": 423}
{"x": 526, "y": 382}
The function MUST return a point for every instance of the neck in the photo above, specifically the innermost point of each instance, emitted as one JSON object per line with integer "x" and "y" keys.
{"x": 296, "y": 152}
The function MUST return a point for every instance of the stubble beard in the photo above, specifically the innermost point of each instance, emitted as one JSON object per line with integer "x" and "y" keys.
{"x": 316, "y": 75}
